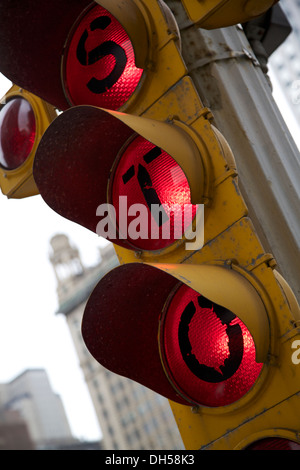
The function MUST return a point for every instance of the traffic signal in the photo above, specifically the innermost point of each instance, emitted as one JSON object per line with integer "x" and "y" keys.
{"x": 111, "y": 54}
{"x": 23, "y": 120}
{"x": 211, "y": 328}
{"x": 196, "y": 311}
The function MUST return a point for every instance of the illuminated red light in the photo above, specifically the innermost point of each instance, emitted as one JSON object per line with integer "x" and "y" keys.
{"x": 17, "y": 132}
{"x": 99, "y": 62}
{"x": 274, "y": 443}
{"x": 208, "y": 352}
{"x": 148, "y": 176}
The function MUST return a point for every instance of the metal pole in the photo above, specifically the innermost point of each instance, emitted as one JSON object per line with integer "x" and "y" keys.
{"x": 231, "y": 83}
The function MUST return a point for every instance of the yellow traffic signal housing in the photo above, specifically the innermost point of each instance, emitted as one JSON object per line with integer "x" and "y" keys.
{"x": 23, "y": 120}
{"x": 212, "y": 14}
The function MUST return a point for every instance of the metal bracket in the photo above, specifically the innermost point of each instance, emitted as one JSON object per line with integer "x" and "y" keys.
{"x": 225, "y": 56}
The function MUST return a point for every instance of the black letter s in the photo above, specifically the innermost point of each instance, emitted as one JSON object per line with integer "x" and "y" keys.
{"x": 106, "y": 48}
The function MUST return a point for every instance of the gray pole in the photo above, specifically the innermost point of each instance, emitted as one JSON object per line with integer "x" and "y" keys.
{"x": 231, "y": 83}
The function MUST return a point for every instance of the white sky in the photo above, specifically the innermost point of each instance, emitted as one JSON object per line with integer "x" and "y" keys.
{"x": 285, "y": 108}
{"x": 31, "y": 335}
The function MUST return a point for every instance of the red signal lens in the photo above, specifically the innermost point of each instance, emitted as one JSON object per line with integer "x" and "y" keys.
{"x": 274, "y": 443}
{"x": 148, "y": 176}
{"x": 208, "y": 353}
{"x": 17, "y": 132}
{"x": 99, "y": 63}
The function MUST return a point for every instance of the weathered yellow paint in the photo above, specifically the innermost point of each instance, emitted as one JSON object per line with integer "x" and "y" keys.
{"x": 212, "y": 14}
{"x": 270, "y": 408}
{"x": 273, "y": 403}
{"x": 19, "y": 183}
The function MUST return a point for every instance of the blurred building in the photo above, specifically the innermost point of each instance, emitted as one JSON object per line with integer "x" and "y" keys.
{"x": 31, "y": 414}
{"x": 130, "y": 415}
{"x": 14, "y": 433}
